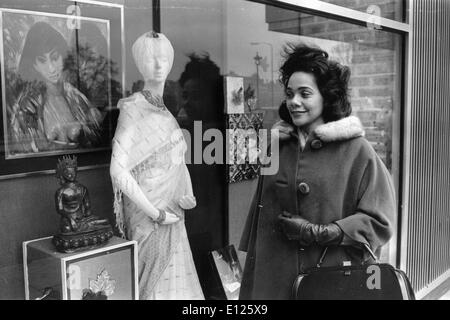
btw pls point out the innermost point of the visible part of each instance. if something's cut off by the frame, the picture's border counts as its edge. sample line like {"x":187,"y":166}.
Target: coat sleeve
{"x":372,"y":222}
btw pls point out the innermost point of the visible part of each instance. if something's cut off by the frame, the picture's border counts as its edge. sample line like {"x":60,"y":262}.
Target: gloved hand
{"x":307,"y":233}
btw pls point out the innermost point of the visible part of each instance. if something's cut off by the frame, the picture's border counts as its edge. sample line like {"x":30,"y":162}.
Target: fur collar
{"x":343,"y":129}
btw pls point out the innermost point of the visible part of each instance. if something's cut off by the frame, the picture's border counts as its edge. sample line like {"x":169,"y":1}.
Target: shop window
{"x":255,"y":37}
{"x":194,"y":94}
{"x":246,"y":39}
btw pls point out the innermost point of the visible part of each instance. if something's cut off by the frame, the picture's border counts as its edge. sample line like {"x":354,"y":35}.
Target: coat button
{"x":303,"y":187}
{"x":316,"y":144}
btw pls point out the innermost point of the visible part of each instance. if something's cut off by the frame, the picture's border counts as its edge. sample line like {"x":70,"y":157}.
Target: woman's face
{"x":50,"y":66}
{"x":304,"y":101}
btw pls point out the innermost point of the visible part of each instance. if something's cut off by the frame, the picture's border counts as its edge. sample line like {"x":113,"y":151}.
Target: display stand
{"x":108,"y":271}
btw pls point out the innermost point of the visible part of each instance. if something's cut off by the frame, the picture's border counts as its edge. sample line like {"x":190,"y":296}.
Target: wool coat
{"x":337,"y":177}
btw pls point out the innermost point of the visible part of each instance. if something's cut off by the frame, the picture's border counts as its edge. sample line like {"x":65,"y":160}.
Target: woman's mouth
{"x":298,"y":112}
{"x":54,"y":77}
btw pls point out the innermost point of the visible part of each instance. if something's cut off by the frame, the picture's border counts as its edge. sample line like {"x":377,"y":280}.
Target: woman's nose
{"x":297,"y":100}
{"x":52,"y":66}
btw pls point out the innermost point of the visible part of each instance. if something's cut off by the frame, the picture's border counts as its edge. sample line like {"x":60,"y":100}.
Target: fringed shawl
{"x":155,"y":161}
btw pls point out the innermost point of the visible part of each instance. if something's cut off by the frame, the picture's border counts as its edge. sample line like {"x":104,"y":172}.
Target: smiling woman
{"x":304,"y":101}
{"x":332,"y":191}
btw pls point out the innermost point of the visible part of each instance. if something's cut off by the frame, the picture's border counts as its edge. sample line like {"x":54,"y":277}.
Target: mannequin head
{"x":153,"y":55}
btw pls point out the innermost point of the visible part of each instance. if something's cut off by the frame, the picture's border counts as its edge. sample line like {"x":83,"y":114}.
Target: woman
{"x":50,"y":113}
{"x":332,"y":190}
{"x":151,"y":183}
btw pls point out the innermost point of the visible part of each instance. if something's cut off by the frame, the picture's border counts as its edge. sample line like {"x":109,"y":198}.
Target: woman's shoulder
{"x":361,"y":149}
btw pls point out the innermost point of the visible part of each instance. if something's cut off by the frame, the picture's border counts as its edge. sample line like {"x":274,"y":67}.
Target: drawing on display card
{"x":234,"y":94}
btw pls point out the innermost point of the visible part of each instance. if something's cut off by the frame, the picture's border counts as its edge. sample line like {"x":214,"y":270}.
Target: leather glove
{"x":307,"y":233}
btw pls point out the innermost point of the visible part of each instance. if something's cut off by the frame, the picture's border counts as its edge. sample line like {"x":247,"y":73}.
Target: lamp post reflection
{"x":257,"y":59}
{"x":271,"y":67}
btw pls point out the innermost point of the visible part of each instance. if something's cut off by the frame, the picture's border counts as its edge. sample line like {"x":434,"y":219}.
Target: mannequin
{"x":151,"y":183}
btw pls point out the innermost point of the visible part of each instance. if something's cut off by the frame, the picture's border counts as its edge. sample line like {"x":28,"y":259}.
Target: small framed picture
{"x":234,"y":94}
{"x":229,"y":271}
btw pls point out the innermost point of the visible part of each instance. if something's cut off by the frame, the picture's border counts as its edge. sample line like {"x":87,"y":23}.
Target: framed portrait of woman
{"x":62,"y":74}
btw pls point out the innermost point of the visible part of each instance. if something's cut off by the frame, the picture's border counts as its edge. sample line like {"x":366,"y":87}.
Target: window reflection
{"x":390,"y":9}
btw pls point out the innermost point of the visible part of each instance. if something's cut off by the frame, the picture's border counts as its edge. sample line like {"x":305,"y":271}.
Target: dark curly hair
{"x":331,"y":78}
{"x":40,"y":39}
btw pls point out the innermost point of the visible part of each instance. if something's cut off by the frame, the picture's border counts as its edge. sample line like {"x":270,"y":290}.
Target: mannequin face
{"x":156,"y":65}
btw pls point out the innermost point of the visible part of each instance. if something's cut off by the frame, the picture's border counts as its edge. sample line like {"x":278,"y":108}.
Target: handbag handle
{"x":365,"y":245}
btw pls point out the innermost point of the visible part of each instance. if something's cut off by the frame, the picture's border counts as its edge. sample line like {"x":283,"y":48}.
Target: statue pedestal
{"x":108,"y":271}
{"x":80,"y":241}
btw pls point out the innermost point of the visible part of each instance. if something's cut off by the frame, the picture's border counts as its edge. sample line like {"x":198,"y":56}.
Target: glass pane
{"x":194,"y":92}
{"x":256,"y":34}
{"x":245,"y":39}
{"x":389,"y":9}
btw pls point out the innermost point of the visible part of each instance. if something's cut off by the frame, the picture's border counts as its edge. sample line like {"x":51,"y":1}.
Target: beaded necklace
{"x":157,"y":101}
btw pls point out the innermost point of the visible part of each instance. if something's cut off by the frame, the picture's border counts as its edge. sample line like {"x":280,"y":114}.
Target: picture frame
{"x":70,"y":107}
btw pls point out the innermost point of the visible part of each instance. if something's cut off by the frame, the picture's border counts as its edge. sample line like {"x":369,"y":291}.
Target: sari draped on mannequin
{"x":155,"y":159}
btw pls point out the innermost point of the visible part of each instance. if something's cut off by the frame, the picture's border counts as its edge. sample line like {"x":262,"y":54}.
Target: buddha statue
{"x":79,"y":228}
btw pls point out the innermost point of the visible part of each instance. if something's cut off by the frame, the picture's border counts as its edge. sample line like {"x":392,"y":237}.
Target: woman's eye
{"x":306,"y":94}
{"x":289,"y":94}
{"x":54,"y":56}
{"x":41,"y":59}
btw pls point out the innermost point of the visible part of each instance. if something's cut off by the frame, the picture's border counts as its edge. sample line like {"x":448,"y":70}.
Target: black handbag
{"x":378,"y":281}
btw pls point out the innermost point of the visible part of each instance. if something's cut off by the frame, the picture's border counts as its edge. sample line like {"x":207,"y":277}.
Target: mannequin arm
{"x":188,"y":200}
{"x":125,"y":181}
{"x":120,"y":174}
